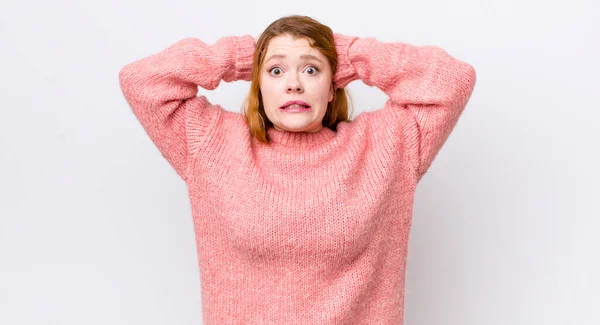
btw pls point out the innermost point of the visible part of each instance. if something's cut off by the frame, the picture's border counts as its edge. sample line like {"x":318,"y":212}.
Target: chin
{"x":299,"y":123}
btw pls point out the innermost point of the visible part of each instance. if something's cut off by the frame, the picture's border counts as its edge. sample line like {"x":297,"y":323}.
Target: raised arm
{"x":162,"y":89}
{"x":428,"y":89}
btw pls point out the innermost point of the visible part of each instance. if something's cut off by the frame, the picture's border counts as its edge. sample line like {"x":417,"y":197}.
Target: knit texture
{"x":313,"y":228}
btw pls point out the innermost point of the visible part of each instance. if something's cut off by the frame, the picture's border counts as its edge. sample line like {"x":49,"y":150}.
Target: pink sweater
{"x":312,"y":229}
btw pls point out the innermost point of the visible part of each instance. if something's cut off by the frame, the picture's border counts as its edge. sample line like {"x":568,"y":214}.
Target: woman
{"x":301,"y":215}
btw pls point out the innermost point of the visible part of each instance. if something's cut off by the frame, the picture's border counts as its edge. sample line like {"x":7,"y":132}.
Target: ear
{"x":331,"y":92}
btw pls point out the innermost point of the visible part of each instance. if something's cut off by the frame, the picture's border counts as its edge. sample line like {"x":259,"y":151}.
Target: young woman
{"x":302,"y":216}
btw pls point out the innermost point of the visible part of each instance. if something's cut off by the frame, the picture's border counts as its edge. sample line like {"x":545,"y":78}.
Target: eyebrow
{"x":303,"y":56}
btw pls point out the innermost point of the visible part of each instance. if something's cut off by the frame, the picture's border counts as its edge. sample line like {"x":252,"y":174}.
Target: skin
{"x":295,"y":78}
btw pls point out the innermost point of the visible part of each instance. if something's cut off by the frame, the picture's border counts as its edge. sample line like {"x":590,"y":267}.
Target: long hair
{"x":320,"y":37}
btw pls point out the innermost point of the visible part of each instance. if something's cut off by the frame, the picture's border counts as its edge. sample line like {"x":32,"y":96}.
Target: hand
{"x":345,"y":72}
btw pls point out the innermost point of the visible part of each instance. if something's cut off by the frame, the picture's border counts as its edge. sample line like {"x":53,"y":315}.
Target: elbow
{"x":125,"y":76}
{"x":130,"y":79}
{"x":469,"y":80}
{"x":470,"y":77}
{"x":464,"y":82}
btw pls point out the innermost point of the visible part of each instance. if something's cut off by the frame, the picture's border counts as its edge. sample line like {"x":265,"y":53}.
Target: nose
{"x":294,"y":84}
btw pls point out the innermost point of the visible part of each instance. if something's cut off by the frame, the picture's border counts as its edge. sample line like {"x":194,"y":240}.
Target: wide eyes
{"x":276,"y":71}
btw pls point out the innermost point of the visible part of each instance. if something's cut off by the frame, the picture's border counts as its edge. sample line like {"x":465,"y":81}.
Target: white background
{"x":95,"y":227}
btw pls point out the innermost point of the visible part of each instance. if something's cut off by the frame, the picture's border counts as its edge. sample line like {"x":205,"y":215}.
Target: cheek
{"x":319,"y":91}
{"x":267,"y":91}
{"x":270,"y":96}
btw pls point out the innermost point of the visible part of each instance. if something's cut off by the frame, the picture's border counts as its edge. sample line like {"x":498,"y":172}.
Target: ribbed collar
{"x":300,"y":140}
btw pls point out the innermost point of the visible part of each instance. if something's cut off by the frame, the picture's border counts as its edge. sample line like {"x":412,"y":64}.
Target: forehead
{"x":288,"y":45}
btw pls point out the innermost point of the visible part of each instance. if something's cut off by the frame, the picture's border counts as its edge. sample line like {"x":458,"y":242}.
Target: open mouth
{"x":295,"y":108}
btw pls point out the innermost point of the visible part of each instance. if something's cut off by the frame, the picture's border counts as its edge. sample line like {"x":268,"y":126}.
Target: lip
{"x":291,"y":102}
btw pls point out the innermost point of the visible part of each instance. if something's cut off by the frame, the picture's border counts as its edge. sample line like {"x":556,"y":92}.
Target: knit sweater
{"x":312,"y":228}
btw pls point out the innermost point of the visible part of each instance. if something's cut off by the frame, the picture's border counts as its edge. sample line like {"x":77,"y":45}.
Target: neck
{"x":300,"y":140}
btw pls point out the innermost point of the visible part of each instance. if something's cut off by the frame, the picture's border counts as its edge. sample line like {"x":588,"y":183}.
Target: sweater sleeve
{"x":428,"y":89}
{"x":162,"y":89}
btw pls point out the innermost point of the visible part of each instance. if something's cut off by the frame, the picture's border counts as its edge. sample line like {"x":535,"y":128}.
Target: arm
{"x":428,"y":89}
{"x":162,"y":89}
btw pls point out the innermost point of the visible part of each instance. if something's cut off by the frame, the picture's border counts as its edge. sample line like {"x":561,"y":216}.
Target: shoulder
{"x":384,"y":128}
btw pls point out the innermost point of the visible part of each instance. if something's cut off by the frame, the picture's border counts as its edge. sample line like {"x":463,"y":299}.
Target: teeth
{"x":295,"y":106}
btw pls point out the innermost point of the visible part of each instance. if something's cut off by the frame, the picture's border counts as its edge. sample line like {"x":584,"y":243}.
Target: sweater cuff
{"x":244,"y":54}
{"x":346,"y":72}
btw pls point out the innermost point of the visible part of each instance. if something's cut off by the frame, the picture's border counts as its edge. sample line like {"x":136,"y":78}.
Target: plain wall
{"x":95,"y":227}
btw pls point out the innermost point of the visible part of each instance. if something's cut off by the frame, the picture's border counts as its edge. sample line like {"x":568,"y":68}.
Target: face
{"x":294,"y":71}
